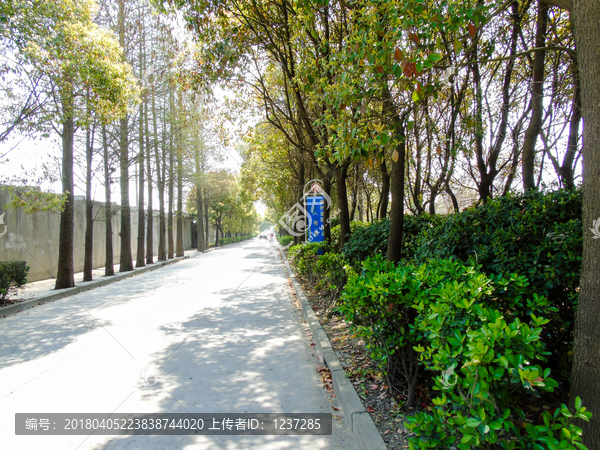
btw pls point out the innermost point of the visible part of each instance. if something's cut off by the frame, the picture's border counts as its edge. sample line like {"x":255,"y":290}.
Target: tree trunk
{"x":206,"y":218}
{"x":537,"y":98}
{"x":65,"y":277}
{"x":140,"y":259}
{"x":109,"y":268}
{"x":394,"y":248}
{"x":199,"y":206}
{"x":179,"y":247}
{"x":341,"y":174}
{"x":150,"y":232}
{"x":585,"y":379}
{"x":88,"y":261}
{"x":385,"y":190}
{"x":171,"y":251}
{"x":160,"y":178}
{"x":200,"y":219}
{"x":126,"y":261}
{"x":567,"y":176}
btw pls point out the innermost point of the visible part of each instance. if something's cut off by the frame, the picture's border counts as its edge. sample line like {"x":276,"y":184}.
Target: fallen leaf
{"x":370,"y":409}
{"x":374,"y":386}
{"x":335,"y":409}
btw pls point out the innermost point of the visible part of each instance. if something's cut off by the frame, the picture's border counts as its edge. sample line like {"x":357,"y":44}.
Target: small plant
{"x":285,"y":240}
{"x":13,"y":276}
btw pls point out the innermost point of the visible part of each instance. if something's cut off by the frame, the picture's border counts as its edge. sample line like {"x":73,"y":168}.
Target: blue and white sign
{"x":315,"y":205}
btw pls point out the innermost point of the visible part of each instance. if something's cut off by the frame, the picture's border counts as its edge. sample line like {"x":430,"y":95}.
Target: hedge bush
{"x":231,"y":240}
{"x":535,"y":235}
{"x":13,"y":276}
{"x":371,"y":240}
{"x":285,"y":240}
{"x":445,"y":315}
{"x":326,"y":272}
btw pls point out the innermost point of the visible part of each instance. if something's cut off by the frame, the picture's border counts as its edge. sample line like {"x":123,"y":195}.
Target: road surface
{"x":217,"y":333}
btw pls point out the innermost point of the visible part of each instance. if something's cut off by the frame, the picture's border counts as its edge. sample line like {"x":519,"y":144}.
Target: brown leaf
{"x":379,"y":69}
{"x":391,"y":305}
{"x":335,"y":409}
{"x":374,"y":386}
{"x":472,"y":30}
{"x":398,"y":55}
{"x":395,"y":156}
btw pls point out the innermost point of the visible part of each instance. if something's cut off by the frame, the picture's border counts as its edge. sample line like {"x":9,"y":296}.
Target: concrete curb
{"x":86,"y":286}
{"x":364,"y":430}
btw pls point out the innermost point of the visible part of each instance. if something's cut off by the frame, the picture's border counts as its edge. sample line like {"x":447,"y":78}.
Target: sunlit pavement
{"x":219,"y":330}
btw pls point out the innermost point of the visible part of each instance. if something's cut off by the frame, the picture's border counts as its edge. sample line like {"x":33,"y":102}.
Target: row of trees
{"x":461,"y":101}
{"x":439,"y":105}
{"x":107,"y":78}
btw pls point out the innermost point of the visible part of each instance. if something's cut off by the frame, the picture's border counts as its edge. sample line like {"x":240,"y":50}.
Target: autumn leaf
{"x":472,"y":30}
{"x":391,"y":305}
{"x":398,"y":55}
{"x":395,"y":156}
{"x":379,"y":69}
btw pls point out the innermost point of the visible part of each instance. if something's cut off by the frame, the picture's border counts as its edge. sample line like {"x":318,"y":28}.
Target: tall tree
{"x":126,"y":260}
{"x":88,"y":262}
{"x":585,"y":377}
{"x":109,"y":268}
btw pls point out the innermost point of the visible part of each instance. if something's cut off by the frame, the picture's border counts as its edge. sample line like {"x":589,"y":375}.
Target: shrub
{"x":367,"y":241}
{"x":445,"y":315}
{"x":13,"y":276}
{"x":335,"y":232}
{"x":535,"y":235}
{"x":231,"y":240}
{"x":371,"y":240}
{"x":285,"y":240}
{"x":326,"y":272}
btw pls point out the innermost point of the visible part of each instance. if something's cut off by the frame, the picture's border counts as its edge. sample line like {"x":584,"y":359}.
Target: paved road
{"x":220,"y":330}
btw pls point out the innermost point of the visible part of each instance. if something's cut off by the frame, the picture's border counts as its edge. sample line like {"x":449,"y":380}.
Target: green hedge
{"x":538,"y":236}
{"x":13,"y":275}
{"x":326,"y":272}
{"x":231,"y":240}
{"x":285,"y":240}
{"x":443,"y":316}
{"x":371,"y":239}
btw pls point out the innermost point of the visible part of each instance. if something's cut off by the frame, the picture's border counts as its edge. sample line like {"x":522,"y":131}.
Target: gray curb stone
{"x":86,"y":286}
{"x":365,"y":432}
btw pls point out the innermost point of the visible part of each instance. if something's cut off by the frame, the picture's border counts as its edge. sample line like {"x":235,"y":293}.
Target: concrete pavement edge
{"x":363,"y":428}
{"x":86,"y":286}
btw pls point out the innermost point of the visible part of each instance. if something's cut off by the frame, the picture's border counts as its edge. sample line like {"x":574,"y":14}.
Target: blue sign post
{"x":314,"y":208}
